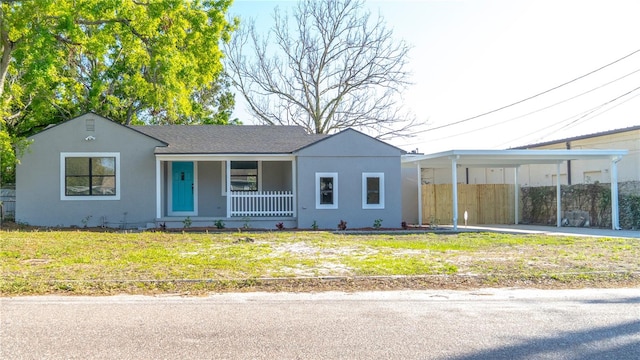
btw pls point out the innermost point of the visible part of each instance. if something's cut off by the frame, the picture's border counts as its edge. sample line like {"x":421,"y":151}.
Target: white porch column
{"x":158,"y":189}
{"x":419,"y":193}
{"x":615,"y":211}
{"x":516,"y":186}
{"x":558,"y":195}
{"x":228,"y":181}
{"x":294,"y":187}
{"x":454,"y":187}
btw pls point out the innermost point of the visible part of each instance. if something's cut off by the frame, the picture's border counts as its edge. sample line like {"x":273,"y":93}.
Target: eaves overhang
{"x":506,"y":158}
{"x":223,"y":157}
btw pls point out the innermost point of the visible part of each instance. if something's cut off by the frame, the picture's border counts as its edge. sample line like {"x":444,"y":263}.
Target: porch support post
{"x":516,"y":191}
{"x":294,"y":187}
{"x":454,"y":187}
{"x":558,"y":195}
{"x":419,"y":193}
{"x":158,"y":189}
{"x":615,"y":211}
{"x":228,"y":180}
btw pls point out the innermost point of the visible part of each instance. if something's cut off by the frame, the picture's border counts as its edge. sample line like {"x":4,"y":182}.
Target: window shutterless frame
{"x":246,"y":175}
{"x":326,"y":190}
{"x":91,"y":176}
{"x":373,"y":190}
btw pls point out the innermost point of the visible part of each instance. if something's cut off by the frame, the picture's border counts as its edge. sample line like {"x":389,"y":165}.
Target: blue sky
{"x":473,"y":56}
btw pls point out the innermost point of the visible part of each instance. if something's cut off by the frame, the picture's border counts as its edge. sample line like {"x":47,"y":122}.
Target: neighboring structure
{"x":587,"y":171}
{"x":571,"y":172}
{"x":91,"y":171}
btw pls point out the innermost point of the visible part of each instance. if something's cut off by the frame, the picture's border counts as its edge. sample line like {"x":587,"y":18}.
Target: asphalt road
{"x":462,"y":325}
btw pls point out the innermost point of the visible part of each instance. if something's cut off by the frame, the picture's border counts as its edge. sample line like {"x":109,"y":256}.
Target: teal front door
{"x":182,"y":186}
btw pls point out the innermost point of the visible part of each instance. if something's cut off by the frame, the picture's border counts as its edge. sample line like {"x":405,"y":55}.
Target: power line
{"x":538,"y":110}
{"x":528,"y":98}
{"x":580,"y":117}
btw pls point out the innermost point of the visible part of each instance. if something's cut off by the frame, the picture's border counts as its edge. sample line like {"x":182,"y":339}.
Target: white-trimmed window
{"x":244,"y":176}
{"x":90,"y":176}
{"x":373,"y":190}
{"x":326,"y":190}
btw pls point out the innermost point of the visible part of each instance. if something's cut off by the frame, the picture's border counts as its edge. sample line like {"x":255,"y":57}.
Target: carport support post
{"x":615,"y":211}
{"x":454,"y":182}
{"x":419,"y":193}
{"x":516,"y":193}
{"x":558,"y":195}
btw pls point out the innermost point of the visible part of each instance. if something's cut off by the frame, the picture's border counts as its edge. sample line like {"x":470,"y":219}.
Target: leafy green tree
{"x":152,"y":61}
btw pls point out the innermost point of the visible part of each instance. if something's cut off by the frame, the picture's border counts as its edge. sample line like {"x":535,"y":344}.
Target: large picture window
{"x":90,"y":176}
{"x":373,"y":190}
{"x":326,"y":190}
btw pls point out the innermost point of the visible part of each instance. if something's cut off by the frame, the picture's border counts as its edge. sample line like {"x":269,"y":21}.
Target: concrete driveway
{"x":552,"y":230}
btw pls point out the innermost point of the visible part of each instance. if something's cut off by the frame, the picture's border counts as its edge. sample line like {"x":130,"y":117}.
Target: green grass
{"x":84,"y":262}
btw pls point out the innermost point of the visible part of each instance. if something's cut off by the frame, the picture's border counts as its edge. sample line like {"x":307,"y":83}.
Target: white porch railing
{"x":263,"y":203}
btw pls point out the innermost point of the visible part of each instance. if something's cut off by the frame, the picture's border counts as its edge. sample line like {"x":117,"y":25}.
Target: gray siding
{"x":276,"y":176}
{"x":349,"y":154}
{"x":410,"y":195}
{"x":211,"y":203}
{"x":38,"y":176}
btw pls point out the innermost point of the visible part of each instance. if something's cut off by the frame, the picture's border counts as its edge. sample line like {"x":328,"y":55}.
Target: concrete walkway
{"x":552,"y":230}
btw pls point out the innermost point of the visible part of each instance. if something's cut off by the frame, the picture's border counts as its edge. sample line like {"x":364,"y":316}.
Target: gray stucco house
{"x":95,"y":172}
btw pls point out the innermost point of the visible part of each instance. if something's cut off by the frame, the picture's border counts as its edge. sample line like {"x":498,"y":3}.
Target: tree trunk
{"x":7,"y":49}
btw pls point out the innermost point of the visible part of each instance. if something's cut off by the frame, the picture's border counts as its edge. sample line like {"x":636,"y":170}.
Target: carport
{"x":513,"y":159}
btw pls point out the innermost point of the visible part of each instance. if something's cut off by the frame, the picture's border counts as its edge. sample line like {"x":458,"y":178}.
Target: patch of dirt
{"x":450,"y":282}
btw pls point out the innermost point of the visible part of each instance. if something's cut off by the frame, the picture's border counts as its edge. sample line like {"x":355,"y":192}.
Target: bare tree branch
{"x":332,"y":68}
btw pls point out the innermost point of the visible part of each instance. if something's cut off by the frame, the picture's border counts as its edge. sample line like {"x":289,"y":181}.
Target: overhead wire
{"x":528,"y":98}
{"x":541,"y":109}
{"x":581,"y":117}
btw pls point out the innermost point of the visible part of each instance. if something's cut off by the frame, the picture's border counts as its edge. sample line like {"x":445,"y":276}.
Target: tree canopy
{"x":335,"y":67}
{"x":155,"y":61}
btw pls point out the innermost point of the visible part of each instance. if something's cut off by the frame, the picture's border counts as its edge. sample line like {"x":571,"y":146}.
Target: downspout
{"x":568,"y":165}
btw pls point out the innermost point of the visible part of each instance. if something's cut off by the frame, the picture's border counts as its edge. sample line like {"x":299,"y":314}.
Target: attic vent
{"x":91,"y":125}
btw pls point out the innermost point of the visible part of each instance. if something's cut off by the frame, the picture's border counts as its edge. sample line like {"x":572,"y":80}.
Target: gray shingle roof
{"x":230,"y":139}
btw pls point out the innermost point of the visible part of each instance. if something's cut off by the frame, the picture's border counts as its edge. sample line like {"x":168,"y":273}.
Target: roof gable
{"x":75,"y":122}
{"x":350,"y":142}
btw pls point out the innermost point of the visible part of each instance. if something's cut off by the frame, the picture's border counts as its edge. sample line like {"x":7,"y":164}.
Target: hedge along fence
{"x":539,"y":203}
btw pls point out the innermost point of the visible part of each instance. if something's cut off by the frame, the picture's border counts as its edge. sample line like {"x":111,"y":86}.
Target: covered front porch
{"x":233,"y":191}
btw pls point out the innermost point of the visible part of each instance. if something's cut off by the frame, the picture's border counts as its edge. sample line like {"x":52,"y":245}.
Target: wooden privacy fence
{"x":484,"y":203}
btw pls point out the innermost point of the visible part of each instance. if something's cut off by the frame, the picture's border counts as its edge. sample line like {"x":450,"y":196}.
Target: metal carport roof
{"x":506,"y":158}
{"x":513,"y":159}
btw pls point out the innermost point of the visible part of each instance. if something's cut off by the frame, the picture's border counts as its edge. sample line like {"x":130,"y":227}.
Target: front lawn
{"x":84,"y":262}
